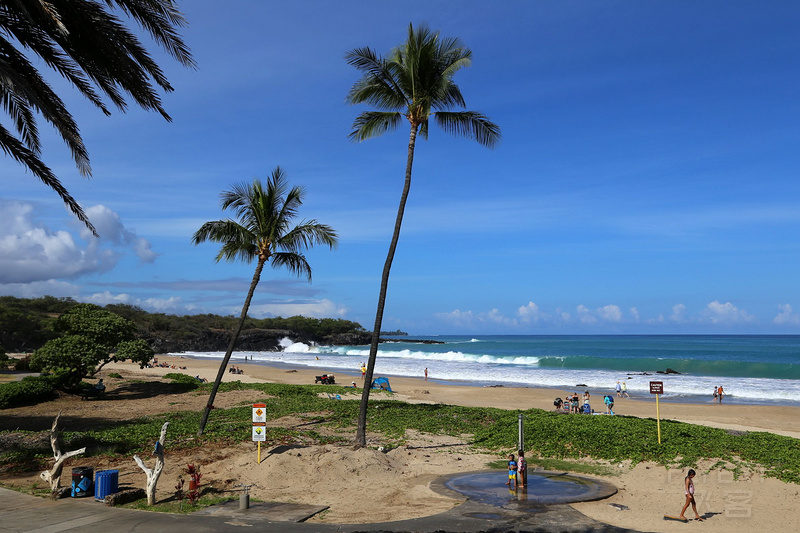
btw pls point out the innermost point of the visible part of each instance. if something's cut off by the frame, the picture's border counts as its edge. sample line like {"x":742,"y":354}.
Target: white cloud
{"x":727,"y":313}
{"x":457,"y":318}
{"x":678,"y":313}
{"x":31,"y":252}
{"x":110,"y":228}
{"x":529,"y":313}
{"x":585,"y":315}
{"x":172,"y":305}
{"x":786,"y":315}
{"x":51,"y":287}
{"x":635,"y":314}
{"x":310,"y":308}
{"x":610,"y":313}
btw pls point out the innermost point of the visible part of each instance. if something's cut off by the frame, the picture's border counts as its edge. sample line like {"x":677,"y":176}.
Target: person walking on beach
{"x":618,"y":388}
{"x":689,"y":490}
{"x":512,"y":471}
{"x":609,"y":401}
{"x":426,"y":373}
{"x":625,"y":390}
{"x":363,"y":371}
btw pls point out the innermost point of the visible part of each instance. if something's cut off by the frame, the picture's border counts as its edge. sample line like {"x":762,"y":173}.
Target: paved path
{"x":21,"y":513}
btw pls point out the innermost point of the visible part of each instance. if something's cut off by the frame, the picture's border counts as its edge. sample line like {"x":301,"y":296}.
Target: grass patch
{"x":548,"y":436}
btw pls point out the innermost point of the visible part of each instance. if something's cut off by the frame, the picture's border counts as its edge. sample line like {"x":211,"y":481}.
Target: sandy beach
{"x":647,"y":491}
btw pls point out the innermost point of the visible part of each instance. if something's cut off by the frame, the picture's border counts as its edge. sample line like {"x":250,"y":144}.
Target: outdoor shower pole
{"x":521,"y":433}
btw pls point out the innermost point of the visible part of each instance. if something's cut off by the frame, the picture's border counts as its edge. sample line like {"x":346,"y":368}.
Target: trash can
{"x":82,"y":481}
{"x":106,"y":482}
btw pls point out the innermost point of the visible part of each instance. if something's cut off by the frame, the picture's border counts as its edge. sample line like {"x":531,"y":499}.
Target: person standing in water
{"x":688,"y":483}
{"x":512,"y":472}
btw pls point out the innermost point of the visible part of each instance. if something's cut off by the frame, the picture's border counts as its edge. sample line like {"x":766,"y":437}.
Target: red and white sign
{"x":259,"y":413}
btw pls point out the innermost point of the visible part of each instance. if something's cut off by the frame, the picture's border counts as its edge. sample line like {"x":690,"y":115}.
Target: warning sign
{"x":259,"y":413}
{"x":259,"y":433}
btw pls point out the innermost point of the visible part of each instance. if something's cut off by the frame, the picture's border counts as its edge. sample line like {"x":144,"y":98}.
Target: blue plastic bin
{"x":106,"y":482}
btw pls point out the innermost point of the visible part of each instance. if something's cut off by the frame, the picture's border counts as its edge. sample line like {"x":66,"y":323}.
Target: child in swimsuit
{"x":512,"y":471}
{"x":689,"y":489}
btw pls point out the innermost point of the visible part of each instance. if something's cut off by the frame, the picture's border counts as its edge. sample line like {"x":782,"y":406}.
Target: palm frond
{"x":15,"y":149}
{"x":470,"y":124}
{"x":293,"y":262}
{"x":373,"y":124}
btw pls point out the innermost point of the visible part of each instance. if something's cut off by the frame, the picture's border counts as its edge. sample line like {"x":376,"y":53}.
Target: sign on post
{"x":657,"y":388}
{"x":259,"y":425}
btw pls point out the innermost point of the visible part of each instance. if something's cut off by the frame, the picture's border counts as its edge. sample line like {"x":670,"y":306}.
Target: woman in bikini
{"x":689,"y":488}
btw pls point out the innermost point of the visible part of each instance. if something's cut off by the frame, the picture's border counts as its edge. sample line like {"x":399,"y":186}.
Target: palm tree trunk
{"x":224,"y":364}
{"x":361,"y":431}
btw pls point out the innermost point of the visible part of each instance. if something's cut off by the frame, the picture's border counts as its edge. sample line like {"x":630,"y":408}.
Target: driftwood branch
{"x":155,"y":473}
{"x":53,"y":476}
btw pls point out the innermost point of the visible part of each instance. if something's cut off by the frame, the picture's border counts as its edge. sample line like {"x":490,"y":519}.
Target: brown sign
{"x":656,"y":387}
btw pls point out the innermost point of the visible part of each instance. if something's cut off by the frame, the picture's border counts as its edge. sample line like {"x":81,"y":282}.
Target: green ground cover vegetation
{"x":548,"y":435}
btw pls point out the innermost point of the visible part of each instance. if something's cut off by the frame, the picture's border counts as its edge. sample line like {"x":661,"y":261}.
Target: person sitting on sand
{"x":689,"y":489}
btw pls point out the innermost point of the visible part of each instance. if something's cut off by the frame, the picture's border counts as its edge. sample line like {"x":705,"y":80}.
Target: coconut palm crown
{"x":85,"y":42}
{"x":263,"y":232}
{"x":414,"y":82}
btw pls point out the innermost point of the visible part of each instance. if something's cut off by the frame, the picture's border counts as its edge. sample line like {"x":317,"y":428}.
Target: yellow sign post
{"x":259,"y":425}
{"x":657,"y":388}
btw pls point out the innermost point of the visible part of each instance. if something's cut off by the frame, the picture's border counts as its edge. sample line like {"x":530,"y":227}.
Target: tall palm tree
{"x":414,"y":82}
{"x":85,"y":42}
{"x":263,"y":233}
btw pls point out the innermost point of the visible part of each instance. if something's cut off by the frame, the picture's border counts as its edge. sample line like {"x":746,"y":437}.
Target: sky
{"x":646,"y":182}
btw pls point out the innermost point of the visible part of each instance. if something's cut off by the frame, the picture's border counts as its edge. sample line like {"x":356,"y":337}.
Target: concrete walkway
{"x":29,"y":514}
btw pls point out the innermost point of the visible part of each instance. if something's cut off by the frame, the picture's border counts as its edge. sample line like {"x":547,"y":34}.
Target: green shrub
{"x":185,"y":381}
{"x":116,"y":375}
{"x":32,"y":389}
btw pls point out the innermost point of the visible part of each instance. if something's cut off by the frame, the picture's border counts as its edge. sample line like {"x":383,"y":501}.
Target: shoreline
{"x":781,"y":420}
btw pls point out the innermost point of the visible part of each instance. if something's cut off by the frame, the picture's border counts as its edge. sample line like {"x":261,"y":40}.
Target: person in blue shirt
{"x":512,"y":471}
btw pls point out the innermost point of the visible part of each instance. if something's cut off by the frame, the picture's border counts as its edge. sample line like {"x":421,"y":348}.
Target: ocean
{"x":753,"y":369}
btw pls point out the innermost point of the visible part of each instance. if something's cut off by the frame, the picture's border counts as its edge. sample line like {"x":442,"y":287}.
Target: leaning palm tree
{"x":263,"y":233}
{"x":416,"y":83}
{"x":86,"y":42}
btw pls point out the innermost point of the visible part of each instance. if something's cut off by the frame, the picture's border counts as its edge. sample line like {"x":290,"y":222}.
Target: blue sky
{"x":646,"y":181}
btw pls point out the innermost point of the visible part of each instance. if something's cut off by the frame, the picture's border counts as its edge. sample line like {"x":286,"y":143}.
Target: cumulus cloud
{"x":610,"y":313}
{"x":309,"y":308}
{"x":727,"y":313}
{"x":110,"y":228}
{"x":31,"y":252}
{"x":457,"y":318}
{"x":172,"y":305}
{"x":585,"y":315}
{"x":529,"y":313}
{"x":786,"y":315}
{"x":678,"y":313}
{"x":51,"y":287}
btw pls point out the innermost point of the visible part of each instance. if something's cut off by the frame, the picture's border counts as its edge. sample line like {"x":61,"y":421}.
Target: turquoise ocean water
{"x":754,"y":369}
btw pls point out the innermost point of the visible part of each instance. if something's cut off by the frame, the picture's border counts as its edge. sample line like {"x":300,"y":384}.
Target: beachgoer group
{"x":718,"y":394}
